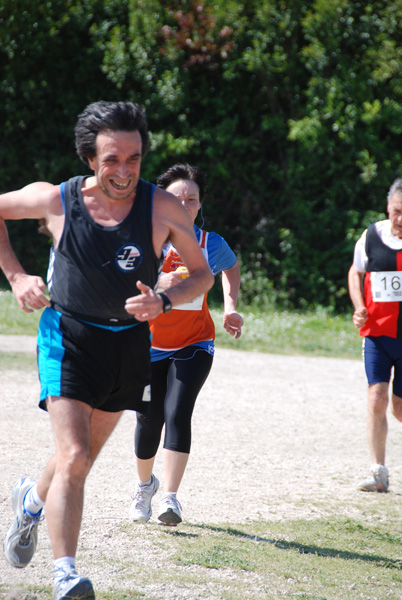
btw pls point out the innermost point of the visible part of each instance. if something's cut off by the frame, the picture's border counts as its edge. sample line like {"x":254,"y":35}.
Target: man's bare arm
{"x":182,"y":236}
{"x":28,"y":289}
{"x":29,"y":202}
{"x":355,"y":281}
{"x":171,"y":222}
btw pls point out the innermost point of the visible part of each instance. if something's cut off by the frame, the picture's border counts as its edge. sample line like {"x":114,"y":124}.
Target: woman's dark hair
{"x":183,"y":171}
{"x":115,"y":116}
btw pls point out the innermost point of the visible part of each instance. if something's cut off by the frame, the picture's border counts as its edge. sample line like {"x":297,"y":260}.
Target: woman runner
{"x":181,"y":354}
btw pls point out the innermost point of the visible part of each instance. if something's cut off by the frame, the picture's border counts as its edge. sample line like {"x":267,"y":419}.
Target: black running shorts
{"x":103,"y":367}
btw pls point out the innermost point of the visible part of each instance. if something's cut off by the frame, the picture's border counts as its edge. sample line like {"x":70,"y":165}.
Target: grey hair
{"x":396,"y":188}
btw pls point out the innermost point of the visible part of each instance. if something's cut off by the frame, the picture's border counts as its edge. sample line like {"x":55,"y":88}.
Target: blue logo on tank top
{"x":128,"y":258}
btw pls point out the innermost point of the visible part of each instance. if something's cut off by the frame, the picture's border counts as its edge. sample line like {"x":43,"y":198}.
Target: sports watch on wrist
{"x":167,"y":305}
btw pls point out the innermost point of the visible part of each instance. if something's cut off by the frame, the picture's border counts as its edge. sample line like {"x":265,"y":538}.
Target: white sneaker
{"x":378,"y":480}
{"x":22,"y":537}
{"x":70,"y":586}
{"x":141,"y":509}
{"x":170,"y":510}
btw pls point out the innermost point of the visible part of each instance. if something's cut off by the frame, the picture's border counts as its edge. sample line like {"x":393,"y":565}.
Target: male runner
{"x":108,"y":231}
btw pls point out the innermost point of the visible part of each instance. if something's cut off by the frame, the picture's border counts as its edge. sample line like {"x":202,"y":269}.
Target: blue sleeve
{"x":220,"y":256}
{"x":62,"y":192}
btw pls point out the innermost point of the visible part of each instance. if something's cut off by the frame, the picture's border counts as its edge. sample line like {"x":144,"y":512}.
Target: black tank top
{"x":95,"y":268}
{"x":380,"y":257}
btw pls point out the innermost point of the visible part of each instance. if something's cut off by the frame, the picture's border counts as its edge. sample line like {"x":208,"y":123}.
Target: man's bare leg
{"x":80,"y":432}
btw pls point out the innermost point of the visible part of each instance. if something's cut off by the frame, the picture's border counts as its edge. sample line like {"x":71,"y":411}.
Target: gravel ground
{"x":274,"y":438}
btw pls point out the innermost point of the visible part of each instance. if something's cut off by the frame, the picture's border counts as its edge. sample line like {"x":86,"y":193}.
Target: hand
{"x":233,"y":323}
{"x":168,"y":280}
{"x":29,"y":292}
{"x":360,"y":317}
{"x":145,"y":306}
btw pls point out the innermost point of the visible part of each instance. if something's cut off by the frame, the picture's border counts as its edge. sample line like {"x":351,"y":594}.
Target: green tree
{"x":49,"y":71}
{"x":293,"y":109}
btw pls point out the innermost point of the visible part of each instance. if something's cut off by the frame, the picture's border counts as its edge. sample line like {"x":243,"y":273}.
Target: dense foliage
{"x":293,"y":108}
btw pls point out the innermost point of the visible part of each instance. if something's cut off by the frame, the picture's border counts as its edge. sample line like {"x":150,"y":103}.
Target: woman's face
{"x":189,"y":195}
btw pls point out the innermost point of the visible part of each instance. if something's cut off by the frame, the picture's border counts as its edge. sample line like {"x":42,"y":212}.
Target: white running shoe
{"x":70,"y":586}
{"x":170,"y":510}
{"x":378,"y":480}
{"x":22,"y":537}
{"x":141,"y":509}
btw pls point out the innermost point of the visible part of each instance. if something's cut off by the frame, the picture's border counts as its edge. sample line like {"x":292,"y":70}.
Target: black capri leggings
{"x":175,"y":385}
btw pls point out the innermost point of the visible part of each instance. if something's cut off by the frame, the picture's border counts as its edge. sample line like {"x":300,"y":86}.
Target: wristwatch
{"x":167,"y":305}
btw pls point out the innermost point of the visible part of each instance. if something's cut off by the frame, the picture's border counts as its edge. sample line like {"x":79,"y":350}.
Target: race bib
{"x":386,"y":286}
{"x":195,"y":304}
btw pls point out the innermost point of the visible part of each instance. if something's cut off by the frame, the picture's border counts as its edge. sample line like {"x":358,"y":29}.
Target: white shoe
{"x":141,"y":509}
{"x":70,"y":586}
{"x":378,"y":480}
{"x":170,"y":510}
{"x":22,"y":537}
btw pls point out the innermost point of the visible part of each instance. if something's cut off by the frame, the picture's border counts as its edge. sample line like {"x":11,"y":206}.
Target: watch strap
{"x":167,"y":305}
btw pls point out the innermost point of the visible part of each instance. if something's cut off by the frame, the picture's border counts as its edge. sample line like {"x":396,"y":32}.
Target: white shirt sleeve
{"x":360,"y":256}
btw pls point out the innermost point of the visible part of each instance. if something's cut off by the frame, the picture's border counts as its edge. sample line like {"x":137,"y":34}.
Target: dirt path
{"x":274,"y":437}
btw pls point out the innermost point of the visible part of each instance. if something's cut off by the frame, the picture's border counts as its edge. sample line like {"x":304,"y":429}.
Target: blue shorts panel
{"x":50,"y":353}
{"x":104,"y":368}
{"x":380,"y":355}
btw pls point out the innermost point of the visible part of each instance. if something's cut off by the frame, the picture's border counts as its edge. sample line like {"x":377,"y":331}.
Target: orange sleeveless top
{"x":185,"y":324}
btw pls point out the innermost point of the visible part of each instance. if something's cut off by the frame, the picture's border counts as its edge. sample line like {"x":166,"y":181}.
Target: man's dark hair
{"x":113,"y":116}
{"x":183,"y":171}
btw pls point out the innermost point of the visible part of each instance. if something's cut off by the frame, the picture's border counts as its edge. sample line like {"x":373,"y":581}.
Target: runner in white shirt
{"x":375,"y":288}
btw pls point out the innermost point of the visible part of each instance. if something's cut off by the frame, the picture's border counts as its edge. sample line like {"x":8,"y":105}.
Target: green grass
{"x":324,"y":559}
{"x":318,"y":333}
{"x":300,"y":559}
{"x":17,"y":361}
{"x":13,"y":320}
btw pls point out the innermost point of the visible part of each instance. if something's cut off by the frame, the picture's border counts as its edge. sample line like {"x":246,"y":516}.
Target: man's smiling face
{"x":117,"y":163}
